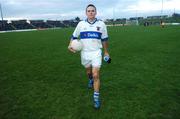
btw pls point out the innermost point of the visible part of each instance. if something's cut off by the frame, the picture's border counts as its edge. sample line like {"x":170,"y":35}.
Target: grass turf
{"x":41,"y":79}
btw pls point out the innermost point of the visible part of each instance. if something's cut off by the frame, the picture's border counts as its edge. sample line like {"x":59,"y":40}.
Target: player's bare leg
{"x":95,"y":72}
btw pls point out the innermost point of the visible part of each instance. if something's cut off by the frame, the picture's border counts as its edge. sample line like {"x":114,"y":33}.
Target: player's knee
{"x":88,"y":72}
{"x":95,"y":76}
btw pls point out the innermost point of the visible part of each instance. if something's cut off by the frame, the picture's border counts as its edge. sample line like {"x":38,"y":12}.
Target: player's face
{"x":91,"y":12}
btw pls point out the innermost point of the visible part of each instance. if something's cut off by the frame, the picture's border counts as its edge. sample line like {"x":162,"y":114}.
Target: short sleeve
{"x":76,"y":32}
{"x":104,"y":36}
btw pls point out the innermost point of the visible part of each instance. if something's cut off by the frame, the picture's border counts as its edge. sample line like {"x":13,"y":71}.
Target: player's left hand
{"x":106,"y":54}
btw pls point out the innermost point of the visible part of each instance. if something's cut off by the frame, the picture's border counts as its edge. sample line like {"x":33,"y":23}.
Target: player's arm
{"x":104,"y":40}
{"x":105,"y":47}
{"x":74,"y":37}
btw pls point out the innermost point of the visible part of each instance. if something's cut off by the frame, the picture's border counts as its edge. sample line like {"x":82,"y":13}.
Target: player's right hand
{"x":71,"y":49}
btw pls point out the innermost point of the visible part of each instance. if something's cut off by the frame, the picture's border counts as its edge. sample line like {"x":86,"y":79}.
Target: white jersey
{"x":91,"y":34}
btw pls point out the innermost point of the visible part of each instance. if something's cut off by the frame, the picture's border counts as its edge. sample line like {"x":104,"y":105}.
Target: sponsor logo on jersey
{"x":87,"y":34}
{"x":92,"y":35}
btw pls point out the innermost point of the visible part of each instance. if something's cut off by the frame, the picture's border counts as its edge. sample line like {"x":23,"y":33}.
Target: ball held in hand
{"x":76,"y":45}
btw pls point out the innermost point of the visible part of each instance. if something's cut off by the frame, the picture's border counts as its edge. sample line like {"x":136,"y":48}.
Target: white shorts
{"x":92,"y":58}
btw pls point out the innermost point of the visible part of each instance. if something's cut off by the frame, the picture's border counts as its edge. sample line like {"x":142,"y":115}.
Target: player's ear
{"x":95,"y":12}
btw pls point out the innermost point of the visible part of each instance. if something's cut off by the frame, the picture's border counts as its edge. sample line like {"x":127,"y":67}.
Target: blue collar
{"x":91,"y":22}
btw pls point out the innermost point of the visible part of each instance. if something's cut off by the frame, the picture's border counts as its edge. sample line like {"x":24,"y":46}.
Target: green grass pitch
{"x":41,"y":79}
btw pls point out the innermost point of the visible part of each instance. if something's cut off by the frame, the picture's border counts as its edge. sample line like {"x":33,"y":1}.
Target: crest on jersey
{"x":98,"y":28}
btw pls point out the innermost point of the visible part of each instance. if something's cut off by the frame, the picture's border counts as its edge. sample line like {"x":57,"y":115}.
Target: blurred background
{"x":39,"y":14}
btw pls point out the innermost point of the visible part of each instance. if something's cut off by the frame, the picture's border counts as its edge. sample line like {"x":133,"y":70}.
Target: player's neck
{"x":91,"y":20}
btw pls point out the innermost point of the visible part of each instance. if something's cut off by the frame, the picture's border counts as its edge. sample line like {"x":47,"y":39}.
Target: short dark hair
{"x":90,"y":5}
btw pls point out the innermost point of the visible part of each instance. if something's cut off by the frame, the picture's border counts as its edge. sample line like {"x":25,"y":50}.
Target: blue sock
{"x":96,"y":96}
{"x":91,"y":81}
